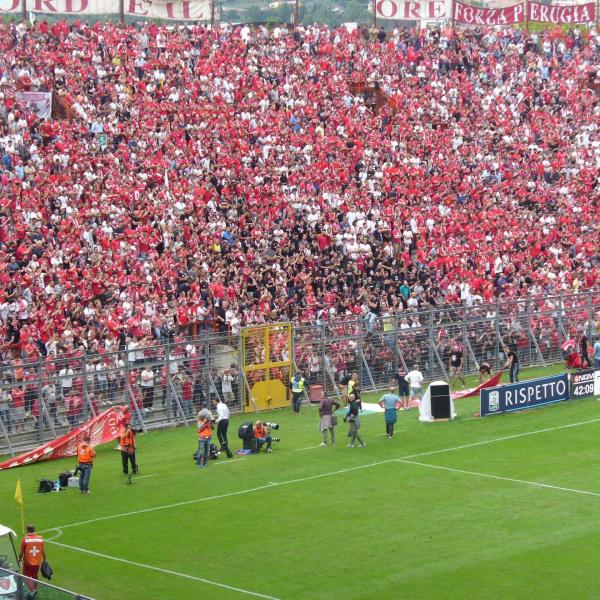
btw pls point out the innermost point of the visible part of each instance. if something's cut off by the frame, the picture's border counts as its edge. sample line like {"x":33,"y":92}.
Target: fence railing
{"x":166,"y":384}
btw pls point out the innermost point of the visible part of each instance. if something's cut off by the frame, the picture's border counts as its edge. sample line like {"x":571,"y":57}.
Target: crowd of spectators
{"x":230,"y":178}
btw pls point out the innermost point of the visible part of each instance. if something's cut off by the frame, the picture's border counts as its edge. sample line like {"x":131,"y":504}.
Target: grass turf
{"x":328,"y":523}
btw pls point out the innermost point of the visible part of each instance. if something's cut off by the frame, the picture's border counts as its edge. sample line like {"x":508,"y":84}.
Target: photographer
{"x":127,"y":447}
{"x":262,"y":436}
{"x":205,"y":422}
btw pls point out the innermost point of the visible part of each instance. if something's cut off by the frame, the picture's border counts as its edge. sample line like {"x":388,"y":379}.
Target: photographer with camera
{"x":262,"y":436}
{"x":205,"y":425}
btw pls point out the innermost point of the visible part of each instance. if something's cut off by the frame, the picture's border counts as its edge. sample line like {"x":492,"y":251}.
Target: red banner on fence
{"x":101,"y":429}
{"x":560,"y":14}
{"x":471,"y":15}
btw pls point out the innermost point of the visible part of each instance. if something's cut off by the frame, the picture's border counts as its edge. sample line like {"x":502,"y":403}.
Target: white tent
{"x":425,"y":404}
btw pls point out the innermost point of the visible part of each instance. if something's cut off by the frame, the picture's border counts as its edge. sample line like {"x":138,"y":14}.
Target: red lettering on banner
{"x":184,"y":13}
{"x":39,"y":6}
{"x":11,"y":8}
{"x":412,"y":10}
{"x":137,"y":4}
{"x":437,"y":9}
{"x":71,"y":6}
{"x":388,"y":9}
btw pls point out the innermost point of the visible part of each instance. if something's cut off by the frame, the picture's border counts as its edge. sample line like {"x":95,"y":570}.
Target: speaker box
{"x":440,"y":401}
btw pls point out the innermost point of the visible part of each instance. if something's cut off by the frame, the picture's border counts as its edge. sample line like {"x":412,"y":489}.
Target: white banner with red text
{"x":101,"y":429}
{"x":182,"y":10}
{"x":463,"y":13}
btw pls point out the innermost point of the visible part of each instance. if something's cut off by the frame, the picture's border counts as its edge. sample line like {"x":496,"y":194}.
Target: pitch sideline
{"x":321,"y":475}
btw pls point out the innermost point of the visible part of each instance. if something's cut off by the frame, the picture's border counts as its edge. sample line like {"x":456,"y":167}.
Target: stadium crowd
{"x":220,"y":179}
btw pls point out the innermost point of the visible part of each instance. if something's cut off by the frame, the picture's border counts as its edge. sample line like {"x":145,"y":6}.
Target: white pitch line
{"x":307,"y":448}
{"x":56,"y":536}
{"x":167,"y":571}
{"x":228,"y":462}
{"x":143,"y":476}
{"x":500,"y":439}
{"x":326,"y":474}
{"x":489,"y":476}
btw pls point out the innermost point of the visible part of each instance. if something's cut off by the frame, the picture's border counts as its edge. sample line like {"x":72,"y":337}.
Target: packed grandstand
{"x":229,"y":178}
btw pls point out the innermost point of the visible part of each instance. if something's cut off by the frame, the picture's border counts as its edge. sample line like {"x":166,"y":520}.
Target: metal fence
{"x":166,"y":384}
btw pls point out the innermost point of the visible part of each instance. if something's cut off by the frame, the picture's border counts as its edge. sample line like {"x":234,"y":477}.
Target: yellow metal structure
{"x":267,"y":363}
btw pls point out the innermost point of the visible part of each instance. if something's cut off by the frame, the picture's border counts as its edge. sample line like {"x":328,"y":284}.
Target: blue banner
{"x":523,"y":395}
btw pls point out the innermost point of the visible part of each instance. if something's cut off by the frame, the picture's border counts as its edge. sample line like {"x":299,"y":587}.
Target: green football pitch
{"x":500,"y":507}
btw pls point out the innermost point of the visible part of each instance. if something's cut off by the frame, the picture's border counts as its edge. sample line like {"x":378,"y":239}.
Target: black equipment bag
{"x":63,"y":479}
{"x":45,"y":485}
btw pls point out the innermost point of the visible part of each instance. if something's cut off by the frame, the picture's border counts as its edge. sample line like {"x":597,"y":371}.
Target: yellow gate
{"x":267,"y":364}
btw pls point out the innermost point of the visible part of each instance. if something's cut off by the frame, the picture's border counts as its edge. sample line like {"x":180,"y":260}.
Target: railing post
{"x":498,"y":336}
{"x":431,"y":344}
{"x":86,"y":407}
{"x":591,"y":323}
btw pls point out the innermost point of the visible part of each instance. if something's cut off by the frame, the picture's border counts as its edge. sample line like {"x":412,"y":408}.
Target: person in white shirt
{"x":415,"y":382}
{"x":66,"y":380}
{"x":223,"y":425}
{"x":227,"y":387}
{"x":147,"y":385}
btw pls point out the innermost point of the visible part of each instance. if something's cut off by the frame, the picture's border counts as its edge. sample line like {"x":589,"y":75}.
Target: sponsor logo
{"x":494,"y":401}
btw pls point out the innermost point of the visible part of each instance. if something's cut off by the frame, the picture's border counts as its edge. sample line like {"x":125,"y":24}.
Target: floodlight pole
{"x":122,"y":11}
{"x":297,"y":13}
{"x":212,"y":15}
{"x":375,"y":13}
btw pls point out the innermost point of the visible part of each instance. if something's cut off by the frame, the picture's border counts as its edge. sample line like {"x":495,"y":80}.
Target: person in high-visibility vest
{"x":85,"y":462}
{"x":297,"y":385}
{"x":205,"y":421}
{"x":127,"y":447}
{"x":33,"y":553}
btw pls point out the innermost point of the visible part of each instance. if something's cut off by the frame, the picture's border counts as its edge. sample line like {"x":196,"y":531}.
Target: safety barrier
{"x":187,"y":374}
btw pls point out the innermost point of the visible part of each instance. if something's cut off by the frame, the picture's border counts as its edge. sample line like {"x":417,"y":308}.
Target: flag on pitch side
{"x":19,"y":493}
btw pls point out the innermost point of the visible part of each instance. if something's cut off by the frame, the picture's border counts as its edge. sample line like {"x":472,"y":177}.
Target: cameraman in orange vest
{"x":127,"y":447}
{"x":33,"y":553}
{"x":85,"y":462}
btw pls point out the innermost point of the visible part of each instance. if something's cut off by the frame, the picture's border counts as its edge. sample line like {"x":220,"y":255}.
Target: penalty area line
{"x":165,"y":571}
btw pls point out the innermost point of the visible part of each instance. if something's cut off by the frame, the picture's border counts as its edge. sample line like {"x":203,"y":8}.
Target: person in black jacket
{"x":354,"y":422}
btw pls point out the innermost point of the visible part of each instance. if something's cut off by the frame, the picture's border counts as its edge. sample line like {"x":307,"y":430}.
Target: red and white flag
{"x":101,"y":429}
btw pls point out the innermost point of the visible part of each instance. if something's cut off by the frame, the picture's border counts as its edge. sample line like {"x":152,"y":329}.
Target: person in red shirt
{"x":33,"y":553}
